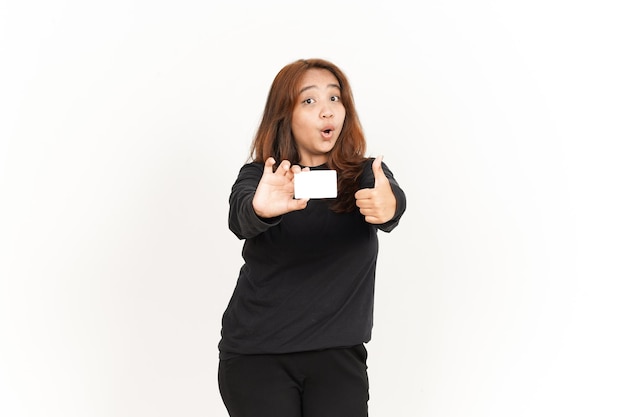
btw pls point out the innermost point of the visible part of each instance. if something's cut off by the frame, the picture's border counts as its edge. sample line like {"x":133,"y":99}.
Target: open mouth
{"x":327,"y":133}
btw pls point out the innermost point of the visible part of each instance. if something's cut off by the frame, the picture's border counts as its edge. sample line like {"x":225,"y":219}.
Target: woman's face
{"x":317,"y":116}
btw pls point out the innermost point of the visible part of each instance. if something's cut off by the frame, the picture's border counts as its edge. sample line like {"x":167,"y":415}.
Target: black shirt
{"x":308,"y":278}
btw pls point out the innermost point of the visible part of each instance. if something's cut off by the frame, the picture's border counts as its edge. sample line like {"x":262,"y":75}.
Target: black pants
{"x":325,"y":383}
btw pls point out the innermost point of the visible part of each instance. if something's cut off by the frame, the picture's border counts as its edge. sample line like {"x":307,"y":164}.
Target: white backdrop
{"x":124,"y":123}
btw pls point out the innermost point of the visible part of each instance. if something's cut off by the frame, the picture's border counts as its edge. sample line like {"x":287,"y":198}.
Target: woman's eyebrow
{"x":308,"y":87}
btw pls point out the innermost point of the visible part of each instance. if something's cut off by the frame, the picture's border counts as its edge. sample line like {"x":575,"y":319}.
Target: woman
{"x":294,"y":329}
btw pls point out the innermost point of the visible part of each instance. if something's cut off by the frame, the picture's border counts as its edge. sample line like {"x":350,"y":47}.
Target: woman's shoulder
{"x":253,"y":165}
{"x":367,"y":162}
{"x":366,"y":179}
{"x":251,"y":170}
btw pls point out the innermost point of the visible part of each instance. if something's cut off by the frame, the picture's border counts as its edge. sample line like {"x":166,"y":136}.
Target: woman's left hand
{"x":377,"y":204}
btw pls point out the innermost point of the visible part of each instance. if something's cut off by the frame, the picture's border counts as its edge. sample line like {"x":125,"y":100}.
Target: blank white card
{"x":316,"y":184}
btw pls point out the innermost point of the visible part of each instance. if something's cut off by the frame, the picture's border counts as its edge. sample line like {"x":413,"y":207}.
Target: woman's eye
{"x":335,"y":98}
{"x":309,"y":101}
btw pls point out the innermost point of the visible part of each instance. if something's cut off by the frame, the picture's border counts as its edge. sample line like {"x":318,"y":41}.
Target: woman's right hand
{"x":274,"y":194}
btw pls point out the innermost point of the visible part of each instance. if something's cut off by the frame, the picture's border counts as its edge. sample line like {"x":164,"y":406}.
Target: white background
{"x":124,"y":123}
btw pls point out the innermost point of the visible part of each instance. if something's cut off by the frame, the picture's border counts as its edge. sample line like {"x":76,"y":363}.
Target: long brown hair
{"x":274,"y":137}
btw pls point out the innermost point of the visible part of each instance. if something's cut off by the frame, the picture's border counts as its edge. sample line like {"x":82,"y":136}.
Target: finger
{"x":373,"y":220}
{"x":367,"y":204}
{"x":363,"y":194}
{"x":379,"y":174}
{"x":296,"y":169}
{"x":366,"y":207}
{"x":289,"y":174}
{"x":269,"y":165}
{"x":283,"y":168}
{"x":364,"y":201}
{"x":367,"y":212}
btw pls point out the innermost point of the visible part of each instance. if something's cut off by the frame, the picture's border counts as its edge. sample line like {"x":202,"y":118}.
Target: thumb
{"x":379,"y":175}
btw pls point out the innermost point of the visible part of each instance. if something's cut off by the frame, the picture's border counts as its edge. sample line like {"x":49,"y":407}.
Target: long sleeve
{"x":242,"y":220}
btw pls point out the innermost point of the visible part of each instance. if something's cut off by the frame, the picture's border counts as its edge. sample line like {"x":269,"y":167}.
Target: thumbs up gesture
{"x":377,"y":204}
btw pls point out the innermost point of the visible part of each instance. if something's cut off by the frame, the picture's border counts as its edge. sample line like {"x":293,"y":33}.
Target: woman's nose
{"x":326,"y":113}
